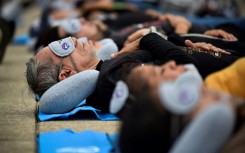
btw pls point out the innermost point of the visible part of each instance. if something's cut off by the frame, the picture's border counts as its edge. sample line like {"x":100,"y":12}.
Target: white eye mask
{"x":191,"y":67}
{"x":119,"y":97}
{"x":53,"y":22}
{"x":61,"y":5}
{"x":180,"y":96}
{"x":63,"y":47}
{"x":71,"y":26}
{"x":108,"y":47}
{"x":82,"y":39}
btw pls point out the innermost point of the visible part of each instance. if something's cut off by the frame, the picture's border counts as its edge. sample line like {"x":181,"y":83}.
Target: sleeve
{"x":130,"y":18}
{"x":162,"y":49}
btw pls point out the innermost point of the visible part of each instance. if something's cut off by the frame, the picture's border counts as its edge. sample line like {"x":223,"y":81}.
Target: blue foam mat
{"x":21,"y":39}
{"x":68,"y":141}
{"x":78,"y":113}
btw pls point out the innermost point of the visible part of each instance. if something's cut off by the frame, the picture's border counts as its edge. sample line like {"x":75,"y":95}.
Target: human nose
{"x":74,"y":40}
{"x":171,"y":65}
{"x":82,"y":20}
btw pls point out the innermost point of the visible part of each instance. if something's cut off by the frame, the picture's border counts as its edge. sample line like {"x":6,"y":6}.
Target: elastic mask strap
{"x":73,"y":63}
{"x":61,"y":64}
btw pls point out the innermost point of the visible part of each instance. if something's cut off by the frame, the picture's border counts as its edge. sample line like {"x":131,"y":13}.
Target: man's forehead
{"x":44,"y":53}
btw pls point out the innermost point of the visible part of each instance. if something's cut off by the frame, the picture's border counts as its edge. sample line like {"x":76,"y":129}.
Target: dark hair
{"x":144,"y":127}
{"x":47,"y":36}
{"x":147,"y":125}
{"x":111,"y":74}
{"x":136,"y":83}
{"x":41,"y":76}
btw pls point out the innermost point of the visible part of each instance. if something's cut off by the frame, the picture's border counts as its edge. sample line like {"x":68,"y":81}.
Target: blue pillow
{"x":67,"y":94}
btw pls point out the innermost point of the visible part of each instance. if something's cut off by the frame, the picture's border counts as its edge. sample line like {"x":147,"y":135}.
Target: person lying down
{"x":67,"y":57}
{"x":174,"y":114}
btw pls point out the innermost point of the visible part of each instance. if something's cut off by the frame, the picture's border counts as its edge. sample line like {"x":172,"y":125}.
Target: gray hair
{"x":42,"y":75}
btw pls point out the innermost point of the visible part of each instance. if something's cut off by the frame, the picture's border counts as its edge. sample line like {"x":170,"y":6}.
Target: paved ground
{"x":17,"y":120}
{"x":18,"y":125}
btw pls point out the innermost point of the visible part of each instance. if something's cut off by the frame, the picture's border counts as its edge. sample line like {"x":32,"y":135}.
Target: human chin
{"x":92,"y":52}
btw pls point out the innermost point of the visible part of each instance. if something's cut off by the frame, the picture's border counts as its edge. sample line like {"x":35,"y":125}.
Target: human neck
{"x":97,"y":46}
{"x":93,"y":64}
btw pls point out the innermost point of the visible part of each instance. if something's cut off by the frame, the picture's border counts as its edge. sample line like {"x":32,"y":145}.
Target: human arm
{"x":164,"y":50}
{"x":205,"y":46}
{"x":202,"y":45}
{"x":131,"y":44}
{"x":221,"y":33}
{"x":129,"y":47}
{"x":107,"y":5}
{"x":180,"y":24}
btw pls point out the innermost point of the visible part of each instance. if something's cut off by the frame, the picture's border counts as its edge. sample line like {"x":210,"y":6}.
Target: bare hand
{"x":129,"y":47}
{"x":135,"y":36}
{"x":153,"y":13}
{"x":180,"y":24}
{"x":221,"y":33}
{"x":206,"y":46}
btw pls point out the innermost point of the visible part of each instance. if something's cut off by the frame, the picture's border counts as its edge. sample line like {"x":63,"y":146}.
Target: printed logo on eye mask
{"x":185,"y":97}
{"x":119,"y":93}
{"x":74,"y":26}
{"x":180,"y":96}
{"x":65,"y":46}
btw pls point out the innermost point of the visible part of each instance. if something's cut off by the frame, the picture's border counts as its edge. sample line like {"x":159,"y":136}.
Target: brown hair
{"x":47,"y":36}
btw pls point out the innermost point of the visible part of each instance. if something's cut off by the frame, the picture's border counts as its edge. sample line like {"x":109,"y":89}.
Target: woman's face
{"x":89,"y":29}
{"x":170,"y":71}
{"x":158,"y":74}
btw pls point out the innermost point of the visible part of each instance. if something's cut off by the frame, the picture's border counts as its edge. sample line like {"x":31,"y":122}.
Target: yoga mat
{"x":82,"y":111}
{"x":68,"y":141}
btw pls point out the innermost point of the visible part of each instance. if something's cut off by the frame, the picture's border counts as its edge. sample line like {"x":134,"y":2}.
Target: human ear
{"x":66,"y":73}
